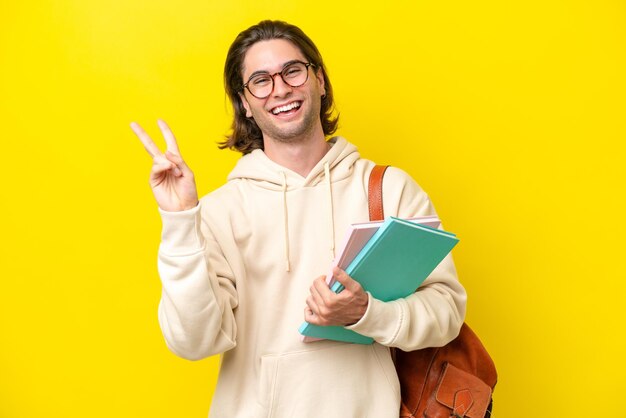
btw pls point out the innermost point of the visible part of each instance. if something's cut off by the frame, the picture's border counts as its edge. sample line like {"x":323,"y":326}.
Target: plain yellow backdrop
{"x":510,"y":114}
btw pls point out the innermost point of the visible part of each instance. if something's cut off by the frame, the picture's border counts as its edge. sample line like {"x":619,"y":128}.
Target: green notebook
{"x":391,"y":265}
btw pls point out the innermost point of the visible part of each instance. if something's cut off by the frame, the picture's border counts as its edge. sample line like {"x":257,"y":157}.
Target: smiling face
{"x":288,"y":114}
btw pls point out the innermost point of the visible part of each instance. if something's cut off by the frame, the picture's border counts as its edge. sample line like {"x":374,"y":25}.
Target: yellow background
{"x":510,"y":114}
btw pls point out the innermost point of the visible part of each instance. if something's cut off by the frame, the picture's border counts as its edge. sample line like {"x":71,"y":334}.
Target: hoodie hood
{"x":336,"y":165}
{"x":258,"y":167}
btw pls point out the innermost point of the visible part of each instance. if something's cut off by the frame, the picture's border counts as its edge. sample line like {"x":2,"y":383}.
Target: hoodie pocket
{"x":345,"y":380}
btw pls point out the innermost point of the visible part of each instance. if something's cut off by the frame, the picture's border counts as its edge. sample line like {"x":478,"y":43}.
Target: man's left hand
{"x":325,"y":307}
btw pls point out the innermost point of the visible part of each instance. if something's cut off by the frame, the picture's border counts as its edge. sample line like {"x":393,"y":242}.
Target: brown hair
{"x":246,"y":136}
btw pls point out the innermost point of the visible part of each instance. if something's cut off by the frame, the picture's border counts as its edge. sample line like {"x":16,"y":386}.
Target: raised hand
{"x":172,"y":182}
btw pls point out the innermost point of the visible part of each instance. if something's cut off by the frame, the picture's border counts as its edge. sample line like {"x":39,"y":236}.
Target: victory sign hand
{"x":172,"y":182}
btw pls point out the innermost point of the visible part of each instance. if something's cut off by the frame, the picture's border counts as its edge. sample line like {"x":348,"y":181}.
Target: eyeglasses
{"x":294,"y":74}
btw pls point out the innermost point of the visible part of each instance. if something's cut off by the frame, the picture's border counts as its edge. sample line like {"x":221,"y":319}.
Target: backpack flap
{"x":464,"y":394}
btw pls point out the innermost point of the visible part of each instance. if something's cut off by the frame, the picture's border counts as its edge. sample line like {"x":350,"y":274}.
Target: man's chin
{"x":290,"y":136}
{"x":289,"y":139}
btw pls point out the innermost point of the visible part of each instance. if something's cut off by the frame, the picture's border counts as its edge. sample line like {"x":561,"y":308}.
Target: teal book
{"x":391,"y":265}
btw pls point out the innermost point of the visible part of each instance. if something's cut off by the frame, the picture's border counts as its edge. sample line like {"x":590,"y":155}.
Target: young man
{"x":240,"y":265}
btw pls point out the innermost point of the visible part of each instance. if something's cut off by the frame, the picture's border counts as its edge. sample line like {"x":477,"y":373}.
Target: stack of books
{"x":390,"y":259}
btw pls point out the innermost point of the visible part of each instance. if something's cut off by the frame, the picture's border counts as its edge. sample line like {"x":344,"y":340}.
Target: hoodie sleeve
{"x":433,"y":315}
{"x":199,"y":295}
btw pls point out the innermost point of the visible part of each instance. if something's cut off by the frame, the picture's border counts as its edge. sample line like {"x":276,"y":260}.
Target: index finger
{"x":145,"y":139}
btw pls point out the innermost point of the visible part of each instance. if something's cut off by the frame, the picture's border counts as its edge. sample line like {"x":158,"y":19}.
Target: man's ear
{"x":319,"y":74}
{"x":246,"y":105}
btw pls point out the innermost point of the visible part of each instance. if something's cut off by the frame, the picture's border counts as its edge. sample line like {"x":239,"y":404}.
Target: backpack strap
{"x":375,"y":204}
{"x":375,"y":193}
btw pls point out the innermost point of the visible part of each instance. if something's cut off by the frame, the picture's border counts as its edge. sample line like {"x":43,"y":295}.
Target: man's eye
{"x":292,"y":71}
{"x":261,"y":80}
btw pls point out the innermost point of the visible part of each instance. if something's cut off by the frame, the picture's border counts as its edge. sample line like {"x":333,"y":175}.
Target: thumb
{"x":180,"y":163}
{"x":348,"y":282}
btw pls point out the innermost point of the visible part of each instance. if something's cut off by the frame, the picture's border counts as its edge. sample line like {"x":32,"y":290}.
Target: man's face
{"x":288,"y":114}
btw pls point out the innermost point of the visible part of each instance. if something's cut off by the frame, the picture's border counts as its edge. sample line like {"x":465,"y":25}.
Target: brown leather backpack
{"x":455,"y":380}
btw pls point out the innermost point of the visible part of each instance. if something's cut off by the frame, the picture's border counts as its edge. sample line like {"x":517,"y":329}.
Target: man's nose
{"x":280,"y":87}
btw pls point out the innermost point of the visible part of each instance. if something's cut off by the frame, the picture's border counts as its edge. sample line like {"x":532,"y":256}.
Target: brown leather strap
{"x":463,"y":401}
{"x":375,"y":193}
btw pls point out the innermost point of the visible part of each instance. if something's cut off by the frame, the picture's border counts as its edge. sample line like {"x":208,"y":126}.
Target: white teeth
{"x":285,"y":108}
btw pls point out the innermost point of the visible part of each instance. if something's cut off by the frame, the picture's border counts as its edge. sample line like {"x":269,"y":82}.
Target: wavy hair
{"x":246,"y":135}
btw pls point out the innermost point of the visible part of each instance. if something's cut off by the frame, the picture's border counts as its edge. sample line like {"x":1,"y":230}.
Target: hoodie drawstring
{"x":286,"y":220}
{"x":330,"y":207}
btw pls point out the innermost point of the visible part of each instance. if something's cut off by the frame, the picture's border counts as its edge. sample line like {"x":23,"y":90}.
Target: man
{"x":239,"y":265}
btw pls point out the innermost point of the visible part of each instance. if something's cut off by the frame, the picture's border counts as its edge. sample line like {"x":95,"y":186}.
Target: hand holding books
{"x":392,"y":264}
{"x":325,"y":307}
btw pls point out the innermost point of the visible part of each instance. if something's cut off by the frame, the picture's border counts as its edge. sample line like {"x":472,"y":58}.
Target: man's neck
{"x":298,"y":156}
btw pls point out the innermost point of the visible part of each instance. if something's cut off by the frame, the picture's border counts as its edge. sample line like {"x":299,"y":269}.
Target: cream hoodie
{"x":236,"y":271}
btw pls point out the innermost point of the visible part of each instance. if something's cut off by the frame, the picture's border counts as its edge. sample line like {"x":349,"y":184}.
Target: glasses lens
{"x":261,"y":85}
{"x":295,"y":75}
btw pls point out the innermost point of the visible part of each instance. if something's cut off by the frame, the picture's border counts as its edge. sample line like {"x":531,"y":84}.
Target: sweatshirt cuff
{"x":181,"y":233}
{"x":381,"y":320}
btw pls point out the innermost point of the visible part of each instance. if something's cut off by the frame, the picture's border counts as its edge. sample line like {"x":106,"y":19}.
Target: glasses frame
{"x":281,"y":73}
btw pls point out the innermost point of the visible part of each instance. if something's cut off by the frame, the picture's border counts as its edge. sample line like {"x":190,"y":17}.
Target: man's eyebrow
{"x":259,"y":72}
